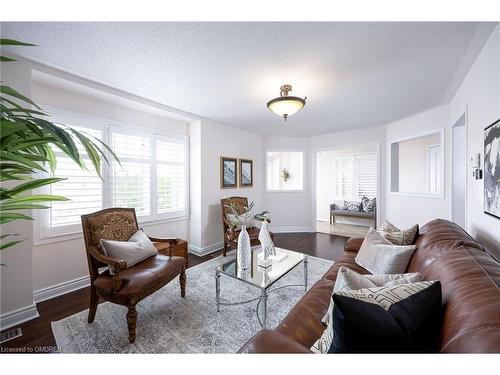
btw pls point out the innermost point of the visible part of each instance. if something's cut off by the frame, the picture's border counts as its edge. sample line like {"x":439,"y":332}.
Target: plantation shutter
{"x":366,"y":175}
{"x":170,"y":176}
{"x":344,"y":171}
{"x":131,"y":181}
{"x":82,"y":187}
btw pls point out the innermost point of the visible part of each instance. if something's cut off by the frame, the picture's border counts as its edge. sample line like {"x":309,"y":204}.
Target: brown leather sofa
{"x":470,"y":281}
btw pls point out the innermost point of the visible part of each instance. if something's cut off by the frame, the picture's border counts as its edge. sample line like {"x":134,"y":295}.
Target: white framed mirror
{"x":417,"y":165}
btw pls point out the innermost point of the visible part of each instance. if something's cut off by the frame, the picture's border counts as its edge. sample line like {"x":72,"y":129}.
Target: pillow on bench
{"x":352,"y":206}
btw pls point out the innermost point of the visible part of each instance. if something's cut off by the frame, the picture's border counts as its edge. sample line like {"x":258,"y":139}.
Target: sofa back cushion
{"x":470,"y":281}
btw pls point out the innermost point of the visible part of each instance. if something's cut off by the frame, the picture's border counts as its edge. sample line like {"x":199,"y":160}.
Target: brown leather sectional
{"x":470,"y":281}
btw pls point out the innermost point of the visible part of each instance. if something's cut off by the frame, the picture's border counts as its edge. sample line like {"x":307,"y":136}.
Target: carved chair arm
{"x":171,"y":241}
{"x":114,"y":264}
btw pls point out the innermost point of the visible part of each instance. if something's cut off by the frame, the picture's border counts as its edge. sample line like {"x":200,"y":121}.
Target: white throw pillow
{"x":379,"y":256}
{"x":383,"y":259}
{"x":133,"y":251}
{"x":348,"y":279}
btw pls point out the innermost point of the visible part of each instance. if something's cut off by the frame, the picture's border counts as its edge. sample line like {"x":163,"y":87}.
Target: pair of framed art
{"x":234,"y":172}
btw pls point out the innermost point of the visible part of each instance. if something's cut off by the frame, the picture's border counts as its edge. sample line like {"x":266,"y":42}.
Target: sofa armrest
{"x":267,"y":341}
{"x":333,"y":207}
{"x":353,"y":244}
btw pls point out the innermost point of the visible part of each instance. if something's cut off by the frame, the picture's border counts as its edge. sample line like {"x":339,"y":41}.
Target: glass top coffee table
{"x":261,"y":278}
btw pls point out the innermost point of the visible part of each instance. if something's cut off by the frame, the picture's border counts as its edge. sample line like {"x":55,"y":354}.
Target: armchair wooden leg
{"x":182,"y":281}
{"x":225,"y":249}
{"x":94,"y":299}
{"x":131,"y":323}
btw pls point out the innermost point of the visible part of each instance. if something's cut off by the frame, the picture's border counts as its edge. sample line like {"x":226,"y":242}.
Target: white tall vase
{"x":244,"y":250}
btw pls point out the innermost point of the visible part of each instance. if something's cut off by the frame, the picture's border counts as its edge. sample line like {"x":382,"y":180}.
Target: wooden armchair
{"x":231,"y":234}
{"x":127,"y":286}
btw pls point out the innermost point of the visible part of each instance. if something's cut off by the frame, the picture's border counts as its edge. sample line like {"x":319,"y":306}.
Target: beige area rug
{"x":168,"y":323}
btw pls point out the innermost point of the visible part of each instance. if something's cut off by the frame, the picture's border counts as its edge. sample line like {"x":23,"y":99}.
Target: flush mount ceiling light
{"x":285,"y":105}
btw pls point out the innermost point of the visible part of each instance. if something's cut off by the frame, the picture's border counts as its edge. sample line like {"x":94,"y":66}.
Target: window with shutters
{"x":152,"y":177}
{"x":131,"y":181}
{"x":170,"y":177}
{"x":82,"y":187}
{"x":356,"y":176}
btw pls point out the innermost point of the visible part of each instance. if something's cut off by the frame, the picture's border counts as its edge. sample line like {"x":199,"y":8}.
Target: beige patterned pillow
{"x":348,"y":279}
{"x":386,"y":296}
{"x":399,"y":236}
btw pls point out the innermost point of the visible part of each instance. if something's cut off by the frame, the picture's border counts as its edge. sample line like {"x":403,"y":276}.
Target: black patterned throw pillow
{"x":404,"y":318}
{"x":368,"y":205}
{"x":352,"y":206}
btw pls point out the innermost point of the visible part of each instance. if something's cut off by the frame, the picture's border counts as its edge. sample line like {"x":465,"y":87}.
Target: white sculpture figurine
{"x":267,"y":245}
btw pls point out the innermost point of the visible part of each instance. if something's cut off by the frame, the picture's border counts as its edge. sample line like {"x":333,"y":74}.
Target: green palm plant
{"x":27,"y":141}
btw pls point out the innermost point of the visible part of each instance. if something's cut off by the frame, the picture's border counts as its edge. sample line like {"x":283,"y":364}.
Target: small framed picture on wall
{"x":228,"y":172}
{"x":246,"y":173}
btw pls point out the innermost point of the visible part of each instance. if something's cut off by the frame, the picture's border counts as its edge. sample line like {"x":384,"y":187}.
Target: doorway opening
{"x":459,"y":172}
{"x":346,"y":190}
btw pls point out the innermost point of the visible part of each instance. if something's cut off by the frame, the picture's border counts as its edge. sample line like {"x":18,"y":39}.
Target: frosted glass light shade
{"x":286,"y":105}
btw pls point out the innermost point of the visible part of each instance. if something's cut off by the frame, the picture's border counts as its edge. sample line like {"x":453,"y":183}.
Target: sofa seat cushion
{"x":147,"y":274}
{"x":313,"y":306}
{"x":303,"y":323}
{"x":346,"y":260}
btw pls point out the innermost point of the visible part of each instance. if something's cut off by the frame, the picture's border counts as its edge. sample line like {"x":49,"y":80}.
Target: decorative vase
{"x":244,"y":250}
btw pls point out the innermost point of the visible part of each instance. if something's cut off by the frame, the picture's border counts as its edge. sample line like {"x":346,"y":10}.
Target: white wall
{"x":480,"y":94}
{"x":479,"y":98}
{"x":218,"y":140}
{"x":16,"y":280}
{"x":195,"y":189}
{"x":423,"y":209}
{"x":291,"y":211}
{"x":325,"y":184}
{"x":458,"y":173}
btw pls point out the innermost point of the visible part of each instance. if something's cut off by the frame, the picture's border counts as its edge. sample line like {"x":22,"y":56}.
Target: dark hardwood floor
{"x":37,"y":334}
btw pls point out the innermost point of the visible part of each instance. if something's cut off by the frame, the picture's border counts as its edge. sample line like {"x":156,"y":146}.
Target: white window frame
{"x":45,"y":235}
{"x":267,"y":190}
{"x":389,"y":178}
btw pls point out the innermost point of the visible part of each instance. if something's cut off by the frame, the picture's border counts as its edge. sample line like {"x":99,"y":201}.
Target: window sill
{"x":77,"y":235}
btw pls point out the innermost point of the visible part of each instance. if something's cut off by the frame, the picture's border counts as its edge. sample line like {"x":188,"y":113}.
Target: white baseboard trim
{"x":16,"y":317}
{"x":205,"y":250}
{"x":202,"y":251}
{"x":292,"y":229}
{"x":60,"y":289}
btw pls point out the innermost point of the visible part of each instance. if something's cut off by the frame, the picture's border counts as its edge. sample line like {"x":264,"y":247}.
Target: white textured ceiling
{"x":355,"y":75}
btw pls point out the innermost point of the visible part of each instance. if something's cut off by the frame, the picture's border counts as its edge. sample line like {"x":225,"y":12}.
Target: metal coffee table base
{"x":262,"y":298}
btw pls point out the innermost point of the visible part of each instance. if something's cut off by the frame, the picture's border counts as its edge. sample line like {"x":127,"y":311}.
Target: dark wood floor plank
{"x":37,"y":333}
